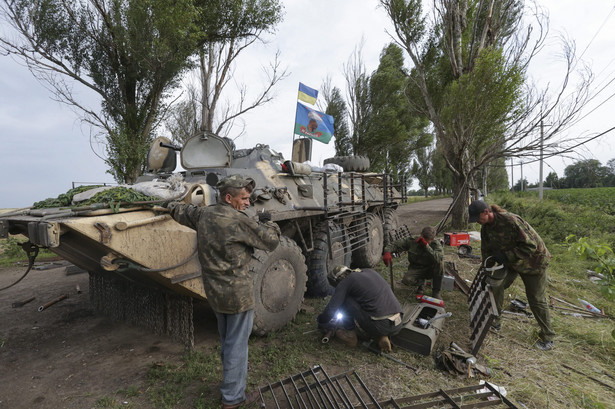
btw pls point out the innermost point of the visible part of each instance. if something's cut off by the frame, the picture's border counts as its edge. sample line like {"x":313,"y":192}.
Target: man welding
{"x":363,"y":299}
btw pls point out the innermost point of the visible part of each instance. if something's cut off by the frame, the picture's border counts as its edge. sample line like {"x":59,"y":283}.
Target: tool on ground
{"x":18,"y":304}
{"x":50,"y":303}
{"x":426,"y":323}
{"x":370,"y":347}
{"x":430,"y":300}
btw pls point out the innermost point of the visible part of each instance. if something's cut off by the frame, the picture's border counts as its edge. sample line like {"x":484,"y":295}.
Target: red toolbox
{"x":456,"y":239}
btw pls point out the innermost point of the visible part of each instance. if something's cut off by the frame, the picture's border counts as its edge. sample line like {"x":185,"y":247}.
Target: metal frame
{"x":482,"y":310}
{"x":315,"y":389}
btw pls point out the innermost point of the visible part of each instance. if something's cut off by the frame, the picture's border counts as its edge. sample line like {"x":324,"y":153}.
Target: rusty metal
{"x":18,"y":304}
{"x":50,"y":303}
{"x":451,"y":269}
{"x":482,"y":310}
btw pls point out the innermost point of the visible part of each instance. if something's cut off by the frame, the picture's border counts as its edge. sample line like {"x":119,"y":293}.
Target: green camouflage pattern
{"x":423,"y":261}
{"x":226,"y":239}
{"x":524,"y":250}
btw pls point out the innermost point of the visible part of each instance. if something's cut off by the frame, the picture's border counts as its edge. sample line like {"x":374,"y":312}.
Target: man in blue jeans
{"x":226,"y":239}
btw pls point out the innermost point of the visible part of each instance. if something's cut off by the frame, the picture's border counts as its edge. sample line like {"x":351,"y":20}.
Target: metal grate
{"x":465,"y":397}
{"x":315,"y":389}
{"x":482,"y":310}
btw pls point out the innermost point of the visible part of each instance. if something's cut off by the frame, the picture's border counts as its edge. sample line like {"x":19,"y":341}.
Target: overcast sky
{"x":45,"y":149}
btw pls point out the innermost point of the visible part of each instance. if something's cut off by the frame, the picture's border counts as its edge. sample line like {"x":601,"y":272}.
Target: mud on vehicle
{"x":143,"y":263}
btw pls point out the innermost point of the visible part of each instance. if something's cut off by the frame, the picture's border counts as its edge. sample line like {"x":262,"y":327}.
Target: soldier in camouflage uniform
{"x":226,"y":239}
{"x":425,"y":260}
{"x":509,"y":240}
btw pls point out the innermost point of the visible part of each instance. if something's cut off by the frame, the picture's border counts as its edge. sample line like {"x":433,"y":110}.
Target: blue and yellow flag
{"x":307,"y":94}
{"x":313,"y":124}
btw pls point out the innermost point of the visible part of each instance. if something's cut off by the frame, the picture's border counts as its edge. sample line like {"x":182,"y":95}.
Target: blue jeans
{"x":235,"y":330}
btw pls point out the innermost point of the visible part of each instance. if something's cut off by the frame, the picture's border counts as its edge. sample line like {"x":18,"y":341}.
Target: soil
{"x":67,"y":356}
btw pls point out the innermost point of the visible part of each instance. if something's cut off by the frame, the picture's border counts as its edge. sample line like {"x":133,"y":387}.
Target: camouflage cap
{"x":236,"y":181}
{"x":475,"y":209}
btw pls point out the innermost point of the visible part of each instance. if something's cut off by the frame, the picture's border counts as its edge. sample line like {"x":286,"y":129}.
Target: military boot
{"x":348,"y":337}
{"x":436,"y":294}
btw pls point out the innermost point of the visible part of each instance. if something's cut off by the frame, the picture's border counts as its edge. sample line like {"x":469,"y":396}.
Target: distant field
{"x":601,"y":198}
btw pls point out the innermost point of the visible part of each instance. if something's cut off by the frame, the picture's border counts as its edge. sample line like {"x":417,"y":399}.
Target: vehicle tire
{"x":350,"y":163}
{"x":320,"y":264}
{"x":390,"y":222}
{"x":279,"y":285}
{"x":369,"y":254}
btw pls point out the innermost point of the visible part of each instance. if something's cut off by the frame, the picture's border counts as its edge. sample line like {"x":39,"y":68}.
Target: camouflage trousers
{"x":417,"y":276}
{"x":536,"y":293}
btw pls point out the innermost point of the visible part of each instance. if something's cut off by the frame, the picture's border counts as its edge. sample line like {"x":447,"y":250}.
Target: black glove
{"x":264,"y":217}
{"x":498,"y":258}
{"x":166,"y":203}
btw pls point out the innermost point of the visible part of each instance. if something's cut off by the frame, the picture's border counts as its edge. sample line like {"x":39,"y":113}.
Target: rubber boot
{"x":348,"y":337}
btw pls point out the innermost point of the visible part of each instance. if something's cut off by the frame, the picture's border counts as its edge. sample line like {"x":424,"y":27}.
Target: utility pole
{"x":522,"y":184}
{"x":512,"y":176}
{"x":540,"y":168}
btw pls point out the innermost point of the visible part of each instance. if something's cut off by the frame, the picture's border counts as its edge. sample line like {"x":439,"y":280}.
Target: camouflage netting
{"x":112,"y":197}
{"x":159,"y":311}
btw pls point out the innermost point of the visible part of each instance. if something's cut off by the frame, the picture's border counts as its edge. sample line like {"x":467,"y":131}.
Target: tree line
{"x":586,"y":173}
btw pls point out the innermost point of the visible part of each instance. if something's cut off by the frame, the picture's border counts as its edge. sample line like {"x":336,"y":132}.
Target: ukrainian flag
{"x":307,"y":94}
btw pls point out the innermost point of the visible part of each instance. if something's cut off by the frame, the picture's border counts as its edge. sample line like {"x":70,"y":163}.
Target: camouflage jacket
{"x":419,"y":256}
{"x":226,"y":239}
{"x":509,"y":234}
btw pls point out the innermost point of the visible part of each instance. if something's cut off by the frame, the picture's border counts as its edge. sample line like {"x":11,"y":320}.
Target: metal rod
{"x":18,"y":304}
{"x":319,"y":385}
{"x":298,"y":394}
{"x":307,"y":386}
{"x":50,"y":303}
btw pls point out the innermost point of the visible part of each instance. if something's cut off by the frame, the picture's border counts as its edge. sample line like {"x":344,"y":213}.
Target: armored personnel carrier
{"x":143,"y":266}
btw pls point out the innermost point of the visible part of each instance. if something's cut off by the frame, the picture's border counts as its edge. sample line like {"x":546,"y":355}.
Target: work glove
{"x":166,"y":203}
{"x":387,"y":259}
{"x":498,"y":258}
{"x":421,"y":240}
{"x":264,"y":217}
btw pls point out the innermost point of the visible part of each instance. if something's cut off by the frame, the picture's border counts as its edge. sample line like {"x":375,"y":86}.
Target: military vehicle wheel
{"x":319,"y":261}
{"x":350,"y":163}
{"x":390,"y":221}
{"x":369,"y":255}
{"x":279,"y":285}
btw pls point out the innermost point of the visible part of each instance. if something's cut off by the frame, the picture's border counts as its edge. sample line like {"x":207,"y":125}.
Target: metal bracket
{"x":105,"y":232}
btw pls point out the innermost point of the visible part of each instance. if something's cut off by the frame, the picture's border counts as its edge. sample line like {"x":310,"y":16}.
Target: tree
{"x":422,"y":168}
{"x":336,"y":107}
{"x":586,"y":173}
{"x":357,"y":100}
{"x":129,"y":52}
{"x":394,"y":130}
{"x":469,"y":67}
{"x":215,"y":68}
{"x":552,"y":180}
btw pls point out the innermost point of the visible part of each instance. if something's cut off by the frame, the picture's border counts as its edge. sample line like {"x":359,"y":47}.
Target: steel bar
{"x":50,"y":303}
{"x":18,"y":304}
{"x":319,"y":385}
{"x":307,"y":386}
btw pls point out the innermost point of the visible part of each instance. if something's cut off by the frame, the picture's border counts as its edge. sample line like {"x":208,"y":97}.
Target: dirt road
{"x":66,"y":356}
